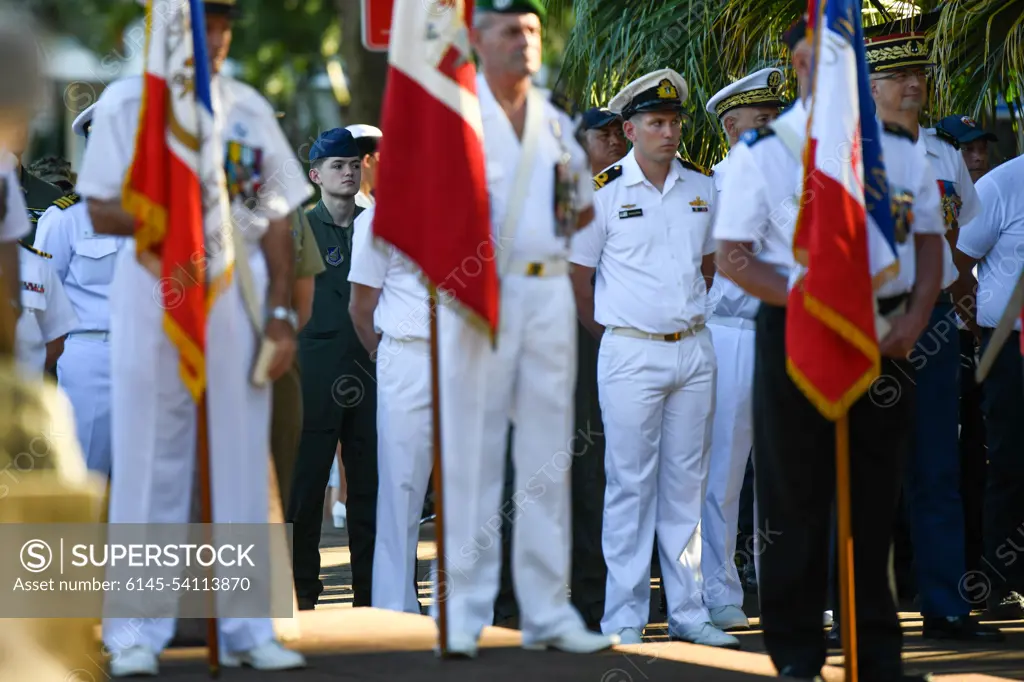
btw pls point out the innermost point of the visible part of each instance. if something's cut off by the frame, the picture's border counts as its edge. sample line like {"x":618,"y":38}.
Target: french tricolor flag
{"x":172,"y":184}
{"x":831,"y":335}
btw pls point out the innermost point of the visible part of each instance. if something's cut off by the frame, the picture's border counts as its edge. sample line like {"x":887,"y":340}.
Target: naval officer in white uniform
{"x":391,"y":315}
{"x":651,"y":247}
{"x":367,"y":138}
{"x":154,"y":424}
{"x":749,"y":103}
{"x":46,"y":314}
{"x":84,"y":263}
{"x":529,"y":375}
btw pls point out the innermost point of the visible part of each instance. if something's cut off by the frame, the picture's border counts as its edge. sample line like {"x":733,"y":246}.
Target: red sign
{"x":376,"y":24}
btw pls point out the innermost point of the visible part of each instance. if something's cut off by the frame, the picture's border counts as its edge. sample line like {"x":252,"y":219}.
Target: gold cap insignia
{"x":774,"y":79}
{"x":666,"y":90}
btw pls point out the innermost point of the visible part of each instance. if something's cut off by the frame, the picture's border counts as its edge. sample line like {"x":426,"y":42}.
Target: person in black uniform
{"x":338,"y":391}
{"x":794,"y":445}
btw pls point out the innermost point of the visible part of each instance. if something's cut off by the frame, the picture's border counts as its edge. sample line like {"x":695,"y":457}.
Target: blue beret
{"x":332,"y":143}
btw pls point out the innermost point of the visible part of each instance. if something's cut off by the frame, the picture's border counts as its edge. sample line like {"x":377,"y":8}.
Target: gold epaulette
{"x":35,"y":250}
{"x":606,"y":176}
{"x":67,"y":201}
{"x":694,"y":167}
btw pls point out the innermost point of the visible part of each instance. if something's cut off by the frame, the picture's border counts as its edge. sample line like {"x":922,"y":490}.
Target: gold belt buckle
{"x":535,"y":270}
{"x":674,"y":337}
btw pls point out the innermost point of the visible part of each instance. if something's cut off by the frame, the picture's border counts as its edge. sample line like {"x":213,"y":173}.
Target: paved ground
{"x":1005,"y":660}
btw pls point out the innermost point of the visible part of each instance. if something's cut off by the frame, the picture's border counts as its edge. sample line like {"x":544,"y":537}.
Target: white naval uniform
{"x":364,"y":200}
{"x":528,"y":378}
{"x":46,"y":313}
{"x":732,"y":437}
{"x":657,"y":397}
{"x":404,"y":416}
{"x":84,"y":263}
{"x":996,"y":239}
{"x":154,"y":424}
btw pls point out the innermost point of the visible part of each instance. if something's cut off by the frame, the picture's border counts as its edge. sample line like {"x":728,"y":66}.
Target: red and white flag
{"x":431,"y":195}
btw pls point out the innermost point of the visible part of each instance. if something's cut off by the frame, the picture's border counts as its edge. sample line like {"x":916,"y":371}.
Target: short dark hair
{"x":367,"y":146}
{"x":317,"y":163}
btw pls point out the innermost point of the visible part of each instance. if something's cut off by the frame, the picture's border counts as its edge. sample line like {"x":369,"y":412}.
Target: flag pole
{"x":441,"y":589}
{"x":847,"y":601}
{"x":206,"y":518}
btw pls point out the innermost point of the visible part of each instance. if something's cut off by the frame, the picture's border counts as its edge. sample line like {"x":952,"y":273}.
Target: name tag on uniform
{"x":631,"y":213}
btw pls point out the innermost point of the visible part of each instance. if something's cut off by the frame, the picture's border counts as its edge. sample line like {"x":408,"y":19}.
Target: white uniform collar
{"x":632,"y":174}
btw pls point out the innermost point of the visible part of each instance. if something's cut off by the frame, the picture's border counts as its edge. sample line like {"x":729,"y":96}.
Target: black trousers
{"x":973,"y":455}
{"x":795,"y":450}
{"x":1003,"y":404}
{"x":340,"y":401}
{"x":589,"y":571}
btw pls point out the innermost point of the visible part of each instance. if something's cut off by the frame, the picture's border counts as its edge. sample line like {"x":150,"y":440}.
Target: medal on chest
{"x":951,"y":203}
{"x":565,"y":188}
{"x":903,"y":214}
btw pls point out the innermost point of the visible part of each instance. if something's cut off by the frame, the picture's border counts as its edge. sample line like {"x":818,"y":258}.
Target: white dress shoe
{"x":460,"y":646}
{"x":829,"y":619}
{"x":630,"y":636}
{"x":729,"y":618}
{"x":134,"y":661}
{"x":707,"y":635}
{"x":340,"y":513}
{"x":267,"y":656}
{"x":577,"y":641}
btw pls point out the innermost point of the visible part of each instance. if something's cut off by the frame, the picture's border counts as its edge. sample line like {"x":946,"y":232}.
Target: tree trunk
{"x":366,"y":70}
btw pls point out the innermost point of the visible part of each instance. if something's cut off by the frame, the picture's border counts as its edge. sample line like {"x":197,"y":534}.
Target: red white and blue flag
{"x":174,"y":186}
{"x":431,"y":121}
{"x":831,"y":336}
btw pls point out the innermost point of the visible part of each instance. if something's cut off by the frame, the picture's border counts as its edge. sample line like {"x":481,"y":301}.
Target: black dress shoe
{"x":1010,"y":607}
{"x":963,"y":628}
{"x":306,"y":604}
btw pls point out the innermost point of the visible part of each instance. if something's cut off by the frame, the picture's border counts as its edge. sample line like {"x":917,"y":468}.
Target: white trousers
{"x":657,"y":403}
{"x":529,"y":378}
{"x":731,"y":439}
{"x":404,"y":463}
{"x":84,"y":374}
{"x":154,"y":433}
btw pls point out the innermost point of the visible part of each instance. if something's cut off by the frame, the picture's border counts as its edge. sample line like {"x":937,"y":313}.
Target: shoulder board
{"x":899,"y":131}
{"x":67,"y":201}
{"x":755,"y":135}
{"x":563,"y":103}
{"x":34,"y":250}
{"x":694,"y":167}
{"x":606,"y":176}
{"x":946,"y":137}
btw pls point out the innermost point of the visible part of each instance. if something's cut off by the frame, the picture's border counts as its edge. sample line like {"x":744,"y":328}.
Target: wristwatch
{"x":286,"y":314}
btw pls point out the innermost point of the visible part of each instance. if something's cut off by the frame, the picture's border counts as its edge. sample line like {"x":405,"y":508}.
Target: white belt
{"x":548,"y":268}
{"x":737,"y":322}
{"x":637,"y":334}
{"x":99,"y":336}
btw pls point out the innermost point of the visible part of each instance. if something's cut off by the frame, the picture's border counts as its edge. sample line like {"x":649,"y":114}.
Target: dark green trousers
{"x":339,"y":394}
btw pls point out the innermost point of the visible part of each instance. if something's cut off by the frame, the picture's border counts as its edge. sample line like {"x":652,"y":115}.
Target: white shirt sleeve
{"x":710,"y":243}
{"x":981,"y":234}
{"x":971,"y":206}
{"x":15,"y":224}
{"x":928,"y":203}
{"x":59,"y":317}
{"x":111,"y":146}
{"x":370,"y":257}
{"x":53,"y":236}
{"x":742,"y":221}
{"x":588,"y":243}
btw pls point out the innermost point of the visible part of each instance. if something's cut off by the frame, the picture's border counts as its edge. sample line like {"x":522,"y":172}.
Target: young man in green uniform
{"x":338,"y":391}
{"x":39,"y":195}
